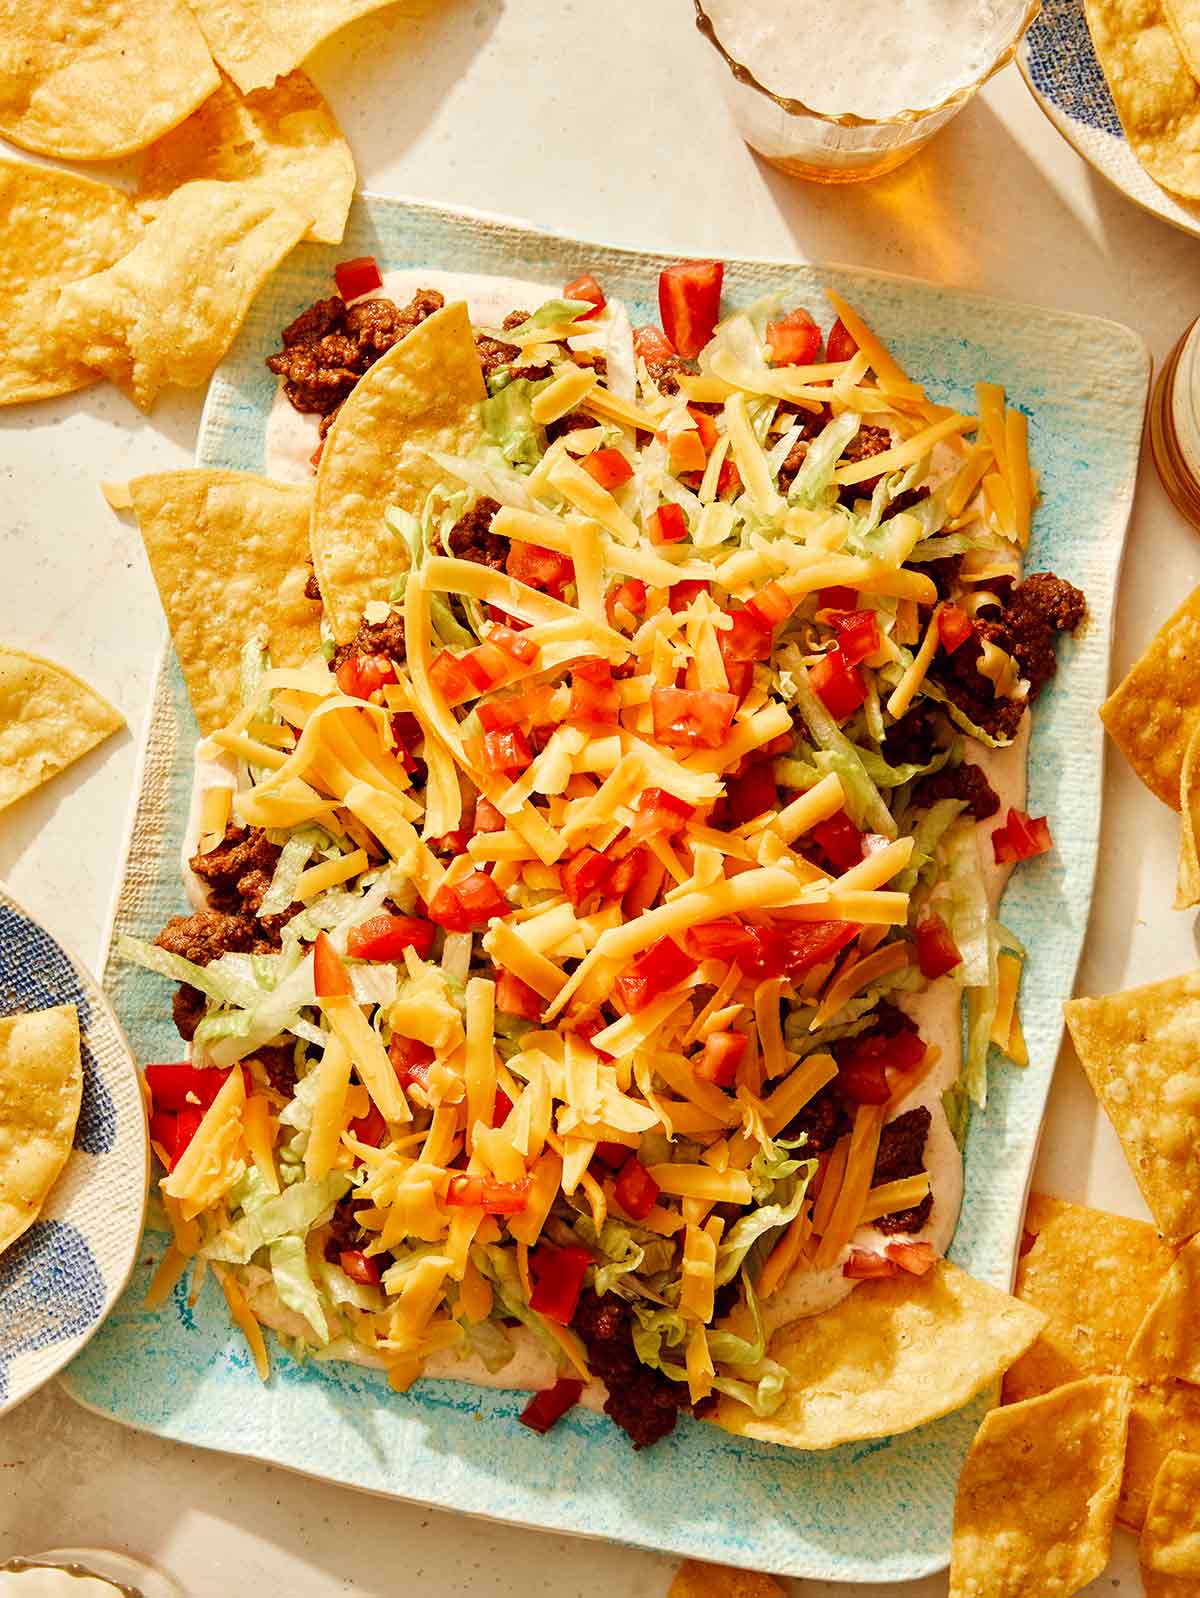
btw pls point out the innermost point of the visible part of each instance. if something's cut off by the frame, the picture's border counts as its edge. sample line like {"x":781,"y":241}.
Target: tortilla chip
{"x":257,"y":41}
{"x":1141,"y":1051}
{"x":41,"y":1087}
{"x":421,"y":395}
{"x":1038,"y":1493}
{"x":1169,"y":1550}
{"x":229,"y":553}
{"x":696,"y":1580}
{"x":1157,"y":98}
{"x":1183,"y":19}
{"x":1164,"y":1419}
{"x":286,"y":133}
{"x":1167,"y":1343}
{"x":168,"y":311}
{"x":897,"y":1353}
{"x":1150,"y":716}
{"x":49,"y":718}
{"x":1093,"y":1275}
{"x":54,"y":228}
{"x":1187,"y":881}
{"x":89,"y":82}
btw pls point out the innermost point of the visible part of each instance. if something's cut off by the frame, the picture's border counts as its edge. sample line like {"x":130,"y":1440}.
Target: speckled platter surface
{"x":879,"y":1511}
{"x":63,"y":1275}
{"x":1059,"y":65}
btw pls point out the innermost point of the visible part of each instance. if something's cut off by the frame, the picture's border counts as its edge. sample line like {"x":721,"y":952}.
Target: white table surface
{"x":599,"y":121}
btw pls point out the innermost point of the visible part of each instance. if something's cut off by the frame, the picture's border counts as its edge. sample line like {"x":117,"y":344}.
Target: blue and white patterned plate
{"x":1059,"y":65}
{"x":60,"y":1278}
{"x":878,"y":1511}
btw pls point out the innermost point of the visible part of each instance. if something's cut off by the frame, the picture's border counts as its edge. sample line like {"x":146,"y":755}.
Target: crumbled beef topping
{"x":331,"y":344}
{"x":471,"y":537}
{"x":187,"y":1010}
{"x":312,"y":588}
{"x":345,"y":1234}
{"x":643,"y":1402}
{"x":494,"y":355}
{"x":239,"y":870}
{"x":279,"y":1062}
{"x":866,"y":442}
{"x":823,"y":1120}
{"x":374,"y":638}
{"x":966,"y":782}
{"x":207,"y":935}
{"x":913,"y":740}
{"x":665,"y":373}
{"x":901,"y":1154}
{"x":945,"y":575}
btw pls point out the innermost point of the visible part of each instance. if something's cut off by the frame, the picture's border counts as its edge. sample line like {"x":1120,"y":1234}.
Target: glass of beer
{"x":842,"y":90}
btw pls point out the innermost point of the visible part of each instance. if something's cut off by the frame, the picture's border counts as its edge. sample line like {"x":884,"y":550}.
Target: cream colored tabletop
{"x":600,"y":121}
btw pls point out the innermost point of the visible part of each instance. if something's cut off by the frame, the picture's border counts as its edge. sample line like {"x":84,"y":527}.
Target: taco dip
{"x":613,"y":753}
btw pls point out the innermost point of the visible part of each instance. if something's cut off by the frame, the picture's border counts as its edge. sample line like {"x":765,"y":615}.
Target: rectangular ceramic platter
{"x":874,"y":1512}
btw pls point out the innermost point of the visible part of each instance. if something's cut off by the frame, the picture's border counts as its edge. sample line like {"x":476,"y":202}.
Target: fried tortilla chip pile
{"x":49,"y":718}
{"x":41,"y":1088}
{"x":1150,"y":54}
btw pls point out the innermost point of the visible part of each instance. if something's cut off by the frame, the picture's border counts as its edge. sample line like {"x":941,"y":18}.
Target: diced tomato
{"x":858,"y":635}
{"x":626,"y":872}
{"x":449,"y":678}
{"x":176,"y":1087}
{"x":864,"y":1266}
{"x":613,"y":1155}
{"x":792,"y":949}
{"x":485,"y":666}
{"x":635,"y":1190}
{"x":686,"y":453}
{"x":660,"y":814}
{"x":706,"y":426}
{"x":594,"y":696}
{"x":370,"y":1128}
{"x":557,"y":1281}
{"x":729,"y":479}
{"x":585,"y":873}
{"x":667,"y":525}
{"x":487,"y":817}
{"x":451,"y":842}
{"x":691,"y":718}
{"x":954,"y":627}
{"x":506,"y":710}
{"x":546,"y":1408}
{"x":740,"y":675}
{"x":629,"y":595}
{"x":482,"y":1192}
{"x":689,"y":302}
{"x":864,"y":1080}
{"x":360,"y":1267}
{"x":359,"y":276}
{"x":502,"y":1108}
{"x":917,"y":1258}
{"x":645,"y":887}
{"x":385,"y":937}
{"x":523,"y":650}
{"x":748,"y":638}
{"x":655,"y":970}
{"x":506,"y":751}
{"x":360,"y":675}
{"x":516,"y":997}
{"x":839,"y":684}
{"x":538,"y":567}
{"x":187,"y":1124}
{"x":680,"y":595}
{"x":467,"y":904}
{"x":411,"y":1060}
{"x":609,"y":467}
{"x":728,"y":940}
{"x":652,"y":344}
{"x":840,"y":345}
{"x":839,"y":840}
{"x":752,"y":793}
{"x":837,"y":598}
{"x":588,"y":1027}
{"x":795,"y":340}
{"x":331,"y":980}
{"x":862,"y":1075}
{"x":723,"y":1052}
{"x":164,"y":1129}
{"x":937,"y":951}
{"x":585,"y":288}
{"x":771,"y":606}
{"x":1021,"y":838}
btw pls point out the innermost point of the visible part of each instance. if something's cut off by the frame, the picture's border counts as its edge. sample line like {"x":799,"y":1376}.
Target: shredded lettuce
{"x":489,"y":475}
{"x":621,"y":377}
{"x":772,"y":1164}
{"x":294,"y":1284}
{"x":275,"y":1012}
{"x":342,"y":1289}
{"x":499,"y":1265}
{"x":551,"y":314}
{"x":927,"y":835}
{"x":815,"y":478}
{"x":218,"y":984}
{"x":508,"y":423}
{"x":836,"y":753}
{"x":969,"y":911}
{"x":744,"y":1233}
{"x":266,"y":1218}
{"x":491,"y":1342}
{"x":956,"y":1101}
{"x":295,"y":856}
{"x":935,"y":691}
{"x":628,"y":1251}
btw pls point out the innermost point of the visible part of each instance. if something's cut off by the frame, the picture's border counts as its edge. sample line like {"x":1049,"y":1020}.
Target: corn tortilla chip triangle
{"x":1092,"y":1274}
{"x":49,"y":718}
{"x":1183,"y":18}
{"x":1038,"y":1493}
{"x":696,"y":1580}
{"x":229,"y":554}
{"x":1141,"y":1052}
{"x":897,"y":1353}
{"x":1164,"y":1419}
{"x":1187,"y":882}
{"x":54,"y":228}
{"x":1150,"y":715}
{"x":1169,"y":1549}
{"x":1156,"y":96}
{"x":41,"y":1087}
{"x":286,"y":133}
{"x":168,"y":311}
{"x":83,"y":82}
{"x":421,"y":395}
{"x":257,"y":41}
{"x":1167,"y":1343}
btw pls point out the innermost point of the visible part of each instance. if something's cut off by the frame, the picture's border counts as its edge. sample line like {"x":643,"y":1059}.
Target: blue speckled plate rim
{"x":539,"y":1503}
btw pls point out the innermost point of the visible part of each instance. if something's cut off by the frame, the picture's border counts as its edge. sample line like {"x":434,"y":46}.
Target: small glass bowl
{"x":837,"y":149}
{"x":1174,"y":425}
{"x":127,"y":1575}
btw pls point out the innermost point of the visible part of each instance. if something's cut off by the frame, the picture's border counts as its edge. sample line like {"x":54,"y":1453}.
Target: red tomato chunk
{"x":689,"y":302}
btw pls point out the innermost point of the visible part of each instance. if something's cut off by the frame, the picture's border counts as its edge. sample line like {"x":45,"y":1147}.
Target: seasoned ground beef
{"x":866,"y":442}
{"x":312,"y":588}
{"x":329,"y":346}
{"x":944,"y":574}
{"x":374,"y":638}
{"x":901,"y":1154}
{"x":239,"y":870}
{"x":665,"y":373}
{"x":471,"y":538}
{"x":494,"y":355}
{"x":572,"y":422}
{"x":279,"y":1062}
{"x":208,"y":934}
{"x":966,"y":782}
{"x":823,"y":1120}
{"x":913,"y":740}
{"x":344,"y":1231}
{"x":187,"y":1010}
{"x":908,"y":500}
{"x":643,"y":1402}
